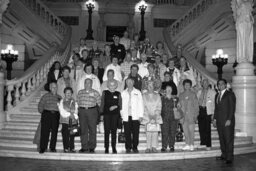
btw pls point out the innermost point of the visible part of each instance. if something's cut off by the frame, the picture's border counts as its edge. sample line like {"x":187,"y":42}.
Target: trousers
{"x":189,"y":132}
{"x":88,"y":124}
{"x":131,"y":131}
{"x":152,"y":139}
{"x":168,"y":129}
{"x":110,"y":126}
{"x":68,"y":141}
{"x":204,"y":124}
{"x":49,"y":123}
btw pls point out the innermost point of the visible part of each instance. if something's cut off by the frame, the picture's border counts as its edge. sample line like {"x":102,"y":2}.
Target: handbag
{"x":121,"y":137}
{"x":74,"y":130}
{"x":178,"y":114}
{"x":152,"y":127}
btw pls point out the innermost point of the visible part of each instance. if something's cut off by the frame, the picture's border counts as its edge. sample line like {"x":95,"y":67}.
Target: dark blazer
{"x":51,"y":78}
{"x":225,"y":109}
{"x":100,"y":74}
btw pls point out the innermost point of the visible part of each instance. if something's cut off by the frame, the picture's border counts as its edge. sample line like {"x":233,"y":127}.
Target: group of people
{"x":134,"y":82}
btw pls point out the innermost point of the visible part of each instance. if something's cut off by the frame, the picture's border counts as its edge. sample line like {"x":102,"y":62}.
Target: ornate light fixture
{"x":219,"y":59}
{"x":90,"y":6}
{"x":9,"y":56}
{"x":142,"y":7}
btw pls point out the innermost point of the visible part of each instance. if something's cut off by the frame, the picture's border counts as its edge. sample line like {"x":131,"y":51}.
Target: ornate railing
{"x":19,"y":89}
{"x":197,"y":10}
{"x":200,"y":72}
{"x":41,"y":10}
{"x":160,"y":2}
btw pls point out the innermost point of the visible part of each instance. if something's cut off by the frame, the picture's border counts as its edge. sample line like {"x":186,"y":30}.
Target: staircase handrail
{"x":199,"y":71}
{"x":192,"y":14}
{"x":37,"y":73}
{"x":41,"y":10}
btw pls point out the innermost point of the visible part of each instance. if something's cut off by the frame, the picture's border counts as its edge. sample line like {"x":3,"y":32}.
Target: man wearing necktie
{"x":224,"y":119}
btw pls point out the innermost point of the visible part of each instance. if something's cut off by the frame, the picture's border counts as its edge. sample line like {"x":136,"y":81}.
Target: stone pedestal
{"x":244,"y":87}
{"x":2,"y":113}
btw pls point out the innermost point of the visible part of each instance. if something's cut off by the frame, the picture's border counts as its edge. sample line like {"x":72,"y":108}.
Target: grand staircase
{"x":23,"y":95}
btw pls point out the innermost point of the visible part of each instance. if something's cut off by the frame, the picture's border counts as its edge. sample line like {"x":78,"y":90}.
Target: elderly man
{"x":131,"y":113}
{"x":88,"y":102}
{"x":118,"y":49}
{"x":206,"y":98}
{"x":49,"y":118}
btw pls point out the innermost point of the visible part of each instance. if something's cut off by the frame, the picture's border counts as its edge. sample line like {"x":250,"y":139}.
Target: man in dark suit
{"x":224,"y":119}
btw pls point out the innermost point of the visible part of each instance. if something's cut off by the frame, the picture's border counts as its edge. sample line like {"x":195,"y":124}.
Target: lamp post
{"x":9,"y":56}
{"x":90,"y":6}
{"x":142,"y":8}
{"x":219,"y":59}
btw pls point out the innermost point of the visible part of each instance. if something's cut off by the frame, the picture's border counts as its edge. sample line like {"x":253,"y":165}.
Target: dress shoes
{"x":220,"y":158}
{"x":163,"y":150}
{"x":172,"y":149}
{"x":128,"y":150}
{"x":106,"y":151}
{"x":135,"y":150}
{"x":91,"y":151}
{"x":41,"y":151}
{"x":65,"y":150}
{"x":114,"y":150}
{"x":83,"y":150}
{"x":72,"y":151}
{"x":229,"y":161}
{"x":53,"y":150}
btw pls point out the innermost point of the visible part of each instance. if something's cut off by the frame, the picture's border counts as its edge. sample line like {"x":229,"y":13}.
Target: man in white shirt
{"x":88,"y":75}
{"x":125,"y":40}
{"x":117,"y":69}
{"x":143,"y":66}
{"x":131,"y":113}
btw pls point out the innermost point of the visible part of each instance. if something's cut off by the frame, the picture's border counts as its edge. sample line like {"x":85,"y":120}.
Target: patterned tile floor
{"x":246,"y":162}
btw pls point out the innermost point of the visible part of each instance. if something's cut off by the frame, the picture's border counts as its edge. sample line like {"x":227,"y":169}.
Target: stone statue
{"x":242,"y":12}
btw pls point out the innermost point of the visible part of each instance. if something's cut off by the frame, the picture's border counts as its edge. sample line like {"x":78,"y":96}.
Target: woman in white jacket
{"x":131,"y":113}
{"x":68,"y":109}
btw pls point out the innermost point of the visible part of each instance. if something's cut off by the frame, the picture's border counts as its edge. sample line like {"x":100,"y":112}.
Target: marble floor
{"x":245,"y":162}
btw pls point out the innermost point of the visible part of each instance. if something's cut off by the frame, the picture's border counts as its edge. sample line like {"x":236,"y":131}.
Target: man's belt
{"x":87,"y":107}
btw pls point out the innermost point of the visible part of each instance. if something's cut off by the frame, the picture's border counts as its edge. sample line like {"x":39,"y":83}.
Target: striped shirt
{"x":126,"y":68}
{"x":88,"y":98}
{"x":49,"y":102}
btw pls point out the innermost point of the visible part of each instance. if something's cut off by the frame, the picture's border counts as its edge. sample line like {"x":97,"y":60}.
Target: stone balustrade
{"x":198,"y":9}
{"x":41,"y":10}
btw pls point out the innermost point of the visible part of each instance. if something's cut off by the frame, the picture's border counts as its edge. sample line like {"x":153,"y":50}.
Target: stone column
{"x":101,"y":27}
{"x":244,"y":82}
{"x":3,"y":7}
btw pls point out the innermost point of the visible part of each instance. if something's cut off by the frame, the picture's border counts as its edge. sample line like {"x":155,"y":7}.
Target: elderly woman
{"x":151,"y":76}
{"x":152,"y":117}
{"x":68,"y":109}
{"x":190,"y":108}
{"x":111,"y":104}
{"x":169,"y":126}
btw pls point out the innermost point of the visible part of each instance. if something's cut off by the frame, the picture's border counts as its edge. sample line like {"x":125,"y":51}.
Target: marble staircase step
{"x":121,"y":156}
{"x":120,"y":147}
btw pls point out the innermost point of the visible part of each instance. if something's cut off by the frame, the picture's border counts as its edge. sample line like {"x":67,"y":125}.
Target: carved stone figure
{"x":242,"y":12}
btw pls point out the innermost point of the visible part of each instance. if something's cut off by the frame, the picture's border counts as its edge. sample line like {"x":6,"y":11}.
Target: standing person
{"x":152,"y":117}
{"x":151,"y":76}
{"x":110,"y":76}
{"x":96,"y":70}
{"x":53,"y":75}
{"x":126,"y":65}
{"x":160,"y":67}
{"x":143,"y":66}
{"x":175,"y":72}
{"x":105,"y":58}
{"x":88,"y":100}
{"x":85,"y":58}
{"x":224,"y":119}
{"x":136,"y":77}
{"x":111,"y":104}
{"x":169,"y":126}
{"x":77,"y":67}
{"x":190,"y":109}
{"x":160,"y":48}
{"x":117,"y":50}
{"x":206,"y":98}
{"x":68,"y":109}
{"x":65,"y":81}
{"x":49,"y":118}
{"x":131,"y":113}
{"x":82,"y":45}
{"x":168,"y":82}
{"x":117,"y":69}
{"x":88,"y":74}
{"x":95,"y":52}
{"x":125,"y":40}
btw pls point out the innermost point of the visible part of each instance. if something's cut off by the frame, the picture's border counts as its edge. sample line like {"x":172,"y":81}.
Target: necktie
{"x":219,"y":98}
{"x":74,"y":71}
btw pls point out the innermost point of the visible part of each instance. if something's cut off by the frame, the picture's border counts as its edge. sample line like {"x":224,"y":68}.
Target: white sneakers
{"x":188,"y":147}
